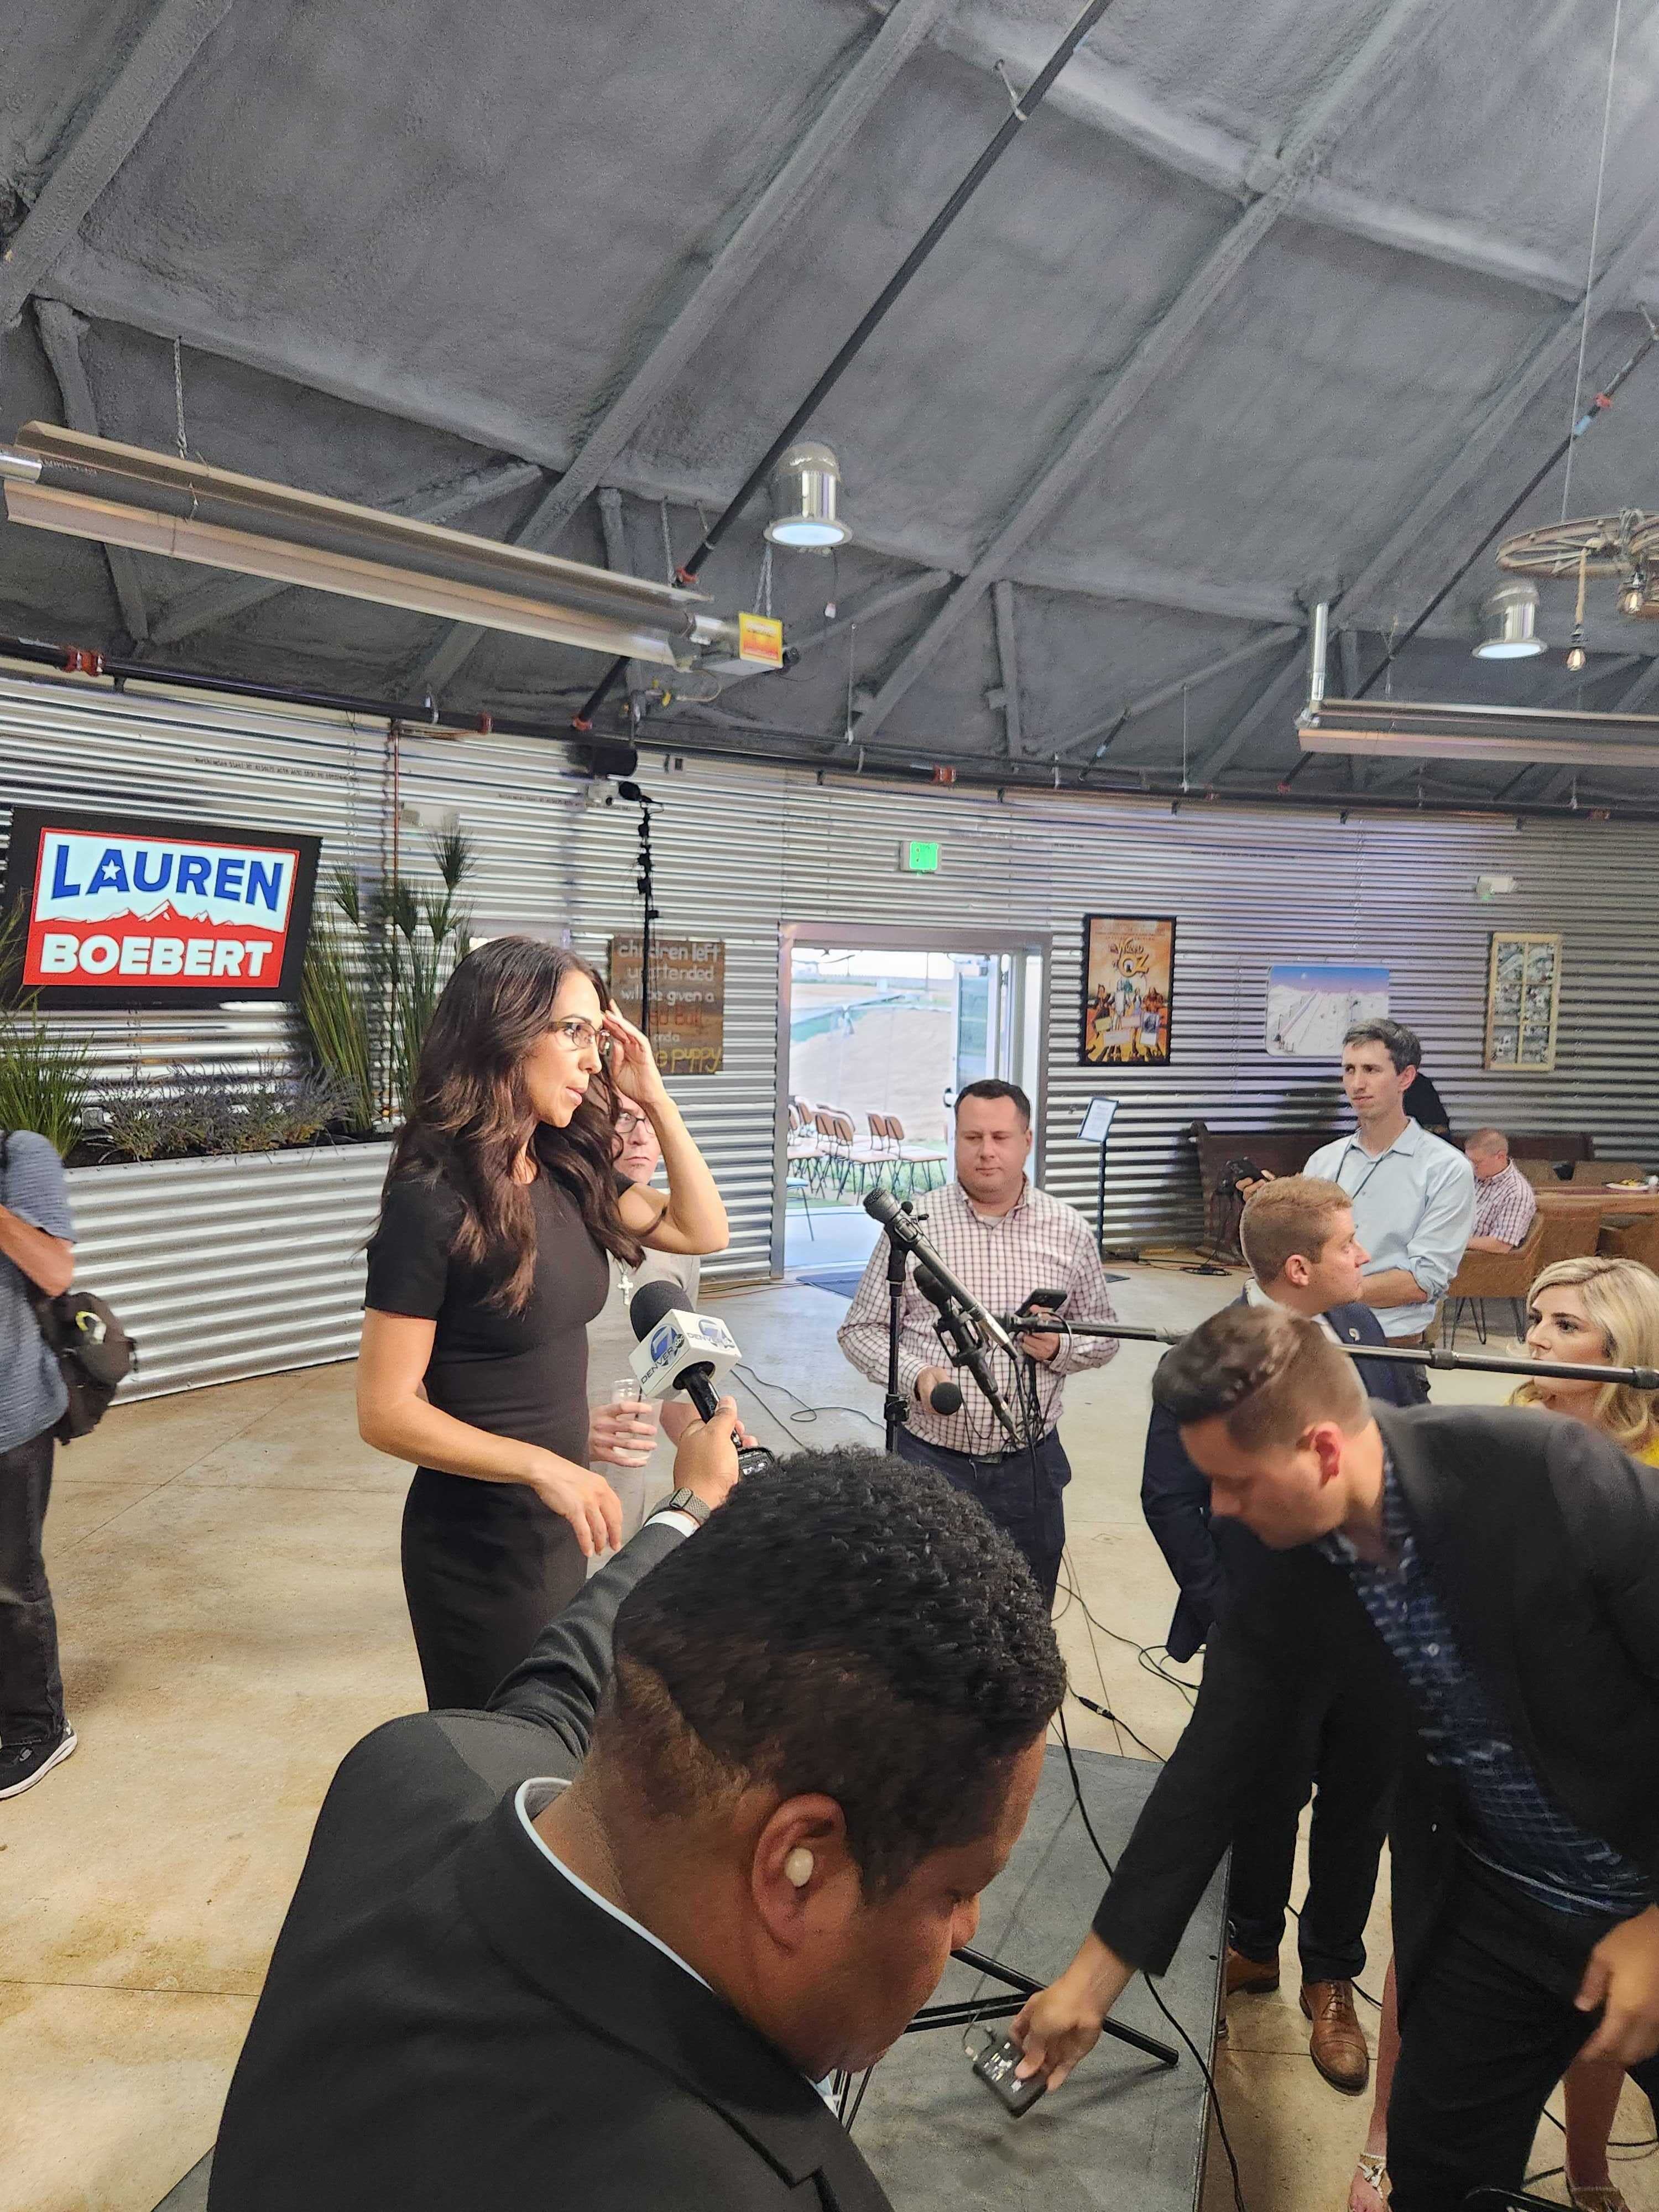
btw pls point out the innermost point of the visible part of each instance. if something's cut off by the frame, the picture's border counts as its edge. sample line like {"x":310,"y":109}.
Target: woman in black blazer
{"x":500,"y":1205}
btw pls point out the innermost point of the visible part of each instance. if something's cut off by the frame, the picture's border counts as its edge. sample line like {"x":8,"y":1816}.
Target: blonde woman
{"x":1590,"y":1312}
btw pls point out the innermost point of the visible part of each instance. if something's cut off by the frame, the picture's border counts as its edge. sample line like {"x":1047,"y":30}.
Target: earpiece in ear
{"x":798,"y":1866}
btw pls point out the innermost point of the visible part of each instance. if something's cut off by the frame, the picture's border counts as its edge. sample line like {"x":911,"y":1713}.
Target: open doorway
{"x":881,"y":1028}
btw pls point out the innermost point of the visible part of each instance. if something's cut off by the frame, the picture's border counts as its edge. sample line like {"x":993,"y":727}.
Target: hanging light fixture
{"x":1510,"y":617}
{"x":805,"y":486}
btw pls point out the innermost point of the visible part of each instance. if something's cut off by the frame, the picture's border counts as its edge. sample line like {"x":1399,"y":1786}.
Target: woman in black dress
{"x":500,"y":1204}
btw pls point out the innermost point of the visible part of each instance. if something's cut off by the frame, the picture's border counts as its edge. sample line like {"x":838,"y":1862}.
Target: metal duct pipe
{"x":1319,"y":645}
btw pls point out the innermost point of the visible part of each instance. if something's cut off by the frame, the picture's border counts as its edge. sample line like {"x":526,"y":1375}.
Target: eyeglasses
{"x":625,"y":1124}
{"x":580,"y":1036}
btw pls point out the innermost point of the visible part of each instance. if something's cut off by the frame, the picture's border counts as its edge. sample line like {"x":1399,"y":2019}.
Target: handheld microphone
{"x":896,"y":1219}
{"x":964,"y":1350}
{"x":946,"y":1398}
{"x":679,"y":1350}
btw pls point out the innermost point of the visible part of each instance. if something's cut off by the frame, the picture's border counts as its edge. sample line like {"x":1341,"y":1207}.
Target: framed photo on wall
{"x":1128,"y":990}
{"x":1523,"y":998}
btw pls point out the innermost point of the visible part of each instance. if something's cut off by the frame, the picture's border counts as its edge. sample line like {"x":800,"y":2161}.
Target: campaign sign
{"x":120,"y":910}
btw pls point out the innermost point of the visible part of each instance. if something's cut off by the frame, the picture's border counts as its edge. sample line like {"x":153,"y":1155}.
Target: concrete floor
{"x":226,"y":1570}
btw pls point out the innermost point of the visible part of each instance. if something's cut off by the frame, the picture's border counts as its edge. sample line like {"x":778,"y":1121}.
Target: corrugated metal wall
{"x":741,"y":850}
{"x":227,"y":1267}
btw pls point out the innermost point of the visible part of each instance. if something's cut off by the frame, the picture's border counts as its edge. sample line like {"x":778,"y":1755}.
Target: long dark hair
{"x":469,"y":1117}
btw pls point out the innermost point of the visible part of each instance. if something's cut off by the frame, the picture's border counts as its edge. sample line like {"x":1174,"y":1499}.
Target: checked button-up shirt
{"x":1001,"y":1258}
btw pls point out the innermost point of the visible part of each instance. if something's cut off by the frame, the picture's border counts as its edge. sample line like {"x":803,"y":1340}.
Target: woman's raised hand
{"x":633,"y":1066}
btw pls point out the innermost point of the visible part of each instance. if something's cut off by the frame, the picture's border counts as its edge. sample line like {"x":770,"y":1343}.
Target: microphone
{"x":964,"y":1350}
{"x":897,"y":1219}
{"x":679,"y":1350}
{"x":946,"y":1398}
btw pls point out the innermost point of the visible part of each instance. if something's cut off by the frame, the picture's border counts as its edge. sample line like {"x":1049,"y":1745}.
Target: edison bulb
{"x":1576,"y":657}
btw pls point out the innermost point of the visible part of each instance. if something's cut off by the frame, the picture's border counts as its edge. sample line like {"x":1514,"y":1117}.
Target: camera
{"x":1237,"y":1171}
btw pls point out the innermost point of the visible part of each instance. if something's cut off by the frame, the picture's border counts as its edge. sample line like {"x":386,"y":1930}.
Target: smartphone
{"x":1046,"y":1301}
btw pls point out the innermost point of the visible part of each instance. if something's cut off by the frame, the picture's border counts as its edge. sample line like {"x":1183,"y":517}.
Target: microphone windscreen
{"x":881,"y":1205}
{"x":946,"y":1398}
{"x":650,"y":1302}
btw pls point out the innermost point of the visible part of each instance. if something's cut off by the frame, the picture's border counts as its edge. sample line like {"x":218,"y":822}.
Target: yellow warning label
{"x":760,"y":639}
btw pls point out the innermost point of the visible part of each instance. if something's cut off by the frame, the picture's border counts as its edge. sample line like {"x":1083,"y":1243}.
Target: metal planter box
{"x":227,"y":1268}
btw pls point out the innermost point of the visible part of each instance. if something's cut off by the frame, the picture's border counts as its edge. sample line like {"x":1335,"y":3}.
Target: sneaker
{"x":21,"y":1765}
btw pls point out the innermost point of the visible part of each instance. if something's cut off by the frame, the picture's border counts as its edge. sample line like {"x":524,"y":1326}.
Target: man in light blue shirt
{"x":1414,"y":1196}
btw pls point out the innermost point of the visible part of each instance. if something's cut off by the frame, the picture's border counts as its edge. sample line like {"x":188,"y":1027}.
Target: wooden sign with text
{"x":688,"y":999}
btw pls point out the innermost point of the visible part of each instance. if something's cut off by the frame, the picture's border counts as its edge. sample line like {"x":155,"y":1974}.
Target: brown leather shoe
{"x":1250,"y":1978}
{"x":1337,"y":2045}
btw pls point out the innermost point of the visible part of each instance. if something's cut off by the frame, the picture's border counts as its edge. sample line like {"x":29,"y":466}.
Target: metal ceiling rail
{"x":168,"y":44}
{"x":1112,"y":102}
{"x":1308,"y":144}
{"x":1102,"y":732}
{"x":60,"y":330}
{"x":1472,"y":445}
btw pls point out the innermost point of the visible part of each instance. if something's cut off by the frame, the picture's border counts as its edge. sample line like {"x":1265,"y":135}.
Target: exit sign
{"x":918,"y":856}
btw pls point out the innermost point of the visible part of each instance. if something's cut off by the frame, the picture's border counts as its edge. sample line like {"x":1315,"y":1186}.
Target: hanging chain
{"x":667,"y":545}
{"x":852,"y":640}
{"x":179,"y":397}
{"x":1183,"y":737}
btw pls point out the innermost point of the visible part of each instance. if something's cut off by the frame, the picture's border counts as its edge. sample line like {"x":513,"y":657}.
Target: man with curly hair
{"x":714,"y":1839}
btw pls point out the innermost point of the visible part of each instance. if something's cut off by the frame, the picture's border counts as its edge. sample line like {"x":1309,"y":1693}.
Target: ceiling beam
{"x":1471,"y":446}
{"x":730,"y":268}
{"x":118,"y":120}
{"x":1002,"y":607}
{"x":61,"y":329}
{"x":1634,"y":696}
{"x":1114,"y":102}
{"x":1106,"y":727}
{"x":1274,"y":701}
{"x":204,"y":606}
{"x":1308,"y":144}
{"x":1567,"y":681}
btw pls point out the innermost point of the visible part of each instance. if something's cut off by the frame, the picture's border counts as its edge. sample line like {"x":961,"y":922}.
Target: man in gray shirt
{"x":36,"y":1233}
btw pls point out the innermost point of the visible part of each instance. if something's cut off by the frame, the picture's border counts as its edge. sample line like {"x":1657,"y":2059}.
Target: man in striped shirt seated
{"x":1003,"y":1239}
{"x":1504,"y":1206}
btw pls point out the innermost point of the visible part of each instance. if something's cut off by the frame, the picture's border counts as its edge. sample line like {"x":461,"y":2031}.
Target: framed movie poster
{"x":1129,"y":984}
{"x":1523,"y":997}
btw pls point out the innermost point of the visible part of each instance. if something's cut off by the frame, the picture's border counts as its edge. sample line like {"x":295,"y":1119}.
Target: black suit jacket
{"x":1214,"y":1561}
{"x":448,"y":2022}
{"x":1542,"y":1538}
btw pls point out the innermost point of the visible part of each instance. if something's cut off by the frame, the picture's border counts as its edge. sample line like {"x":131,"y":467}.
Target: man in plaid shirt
{"x":1504,"y":1206}
{"x":1002,"y":1238}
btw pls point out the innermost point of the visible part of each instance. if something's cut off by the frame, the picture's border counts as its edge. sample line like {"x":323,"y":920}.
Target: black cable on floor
{"x":807,"y":1414}
{"x":1198,"y":2055}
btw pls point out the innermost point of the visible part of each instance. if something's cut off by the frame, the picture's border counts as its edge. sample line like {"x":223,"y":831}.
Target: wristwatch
{"x":687,"y":1501}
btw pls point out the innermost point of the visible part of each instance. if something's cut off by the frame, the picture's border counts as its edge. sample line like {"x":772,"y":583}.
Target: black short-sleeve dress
{"x":487,"y":1564}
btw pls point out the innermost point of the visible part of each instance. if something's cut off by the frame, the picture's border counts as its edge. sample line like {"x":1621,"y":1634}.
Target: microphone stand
{"x":894,"y":1406}
{"x":1481,"y":1363}
{"x":971,"y":2011}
